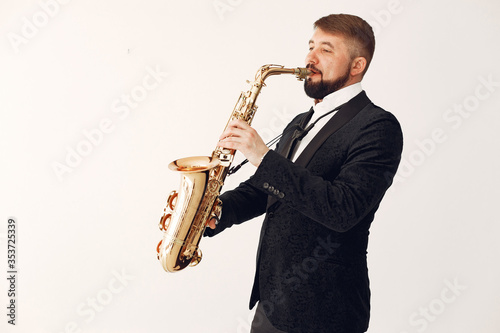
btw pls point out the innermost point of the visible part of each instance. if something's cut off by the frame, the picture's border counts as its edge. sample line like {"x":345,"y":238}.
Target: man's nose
{"x":311,"y":58}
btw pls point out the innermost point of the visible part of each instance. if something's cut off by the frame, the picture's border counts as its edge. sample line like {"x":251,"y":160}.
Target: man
{"x":311,"y":271}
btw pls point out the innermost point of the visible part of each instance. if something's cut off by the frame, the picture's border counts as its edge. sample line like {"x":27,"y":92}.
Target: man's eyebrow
{"x":322,"y":43}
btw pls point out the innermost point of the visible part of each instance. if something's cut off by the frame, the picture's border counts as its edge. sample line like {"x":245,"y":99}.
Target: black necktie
{"x":301,"y":131}
{"x":289,"y":145}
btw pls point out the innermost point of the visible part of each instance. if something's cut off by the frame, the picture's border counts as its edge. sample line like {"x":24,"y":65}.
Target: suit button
{"x":276,"y":192}
{"x":270,"y":188}
{"x":270,"y":215}
{"x":281,"y":195}
{"x":265,"y":185}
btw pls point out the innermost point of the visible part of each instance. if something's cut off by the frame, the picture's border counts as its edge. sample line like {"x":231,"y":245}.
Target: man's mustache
{"x":313,"y":69}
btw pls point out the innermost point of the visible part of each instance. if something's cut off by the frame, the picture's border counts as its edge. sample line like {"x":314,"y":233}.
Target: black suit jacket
{"x":311,"y":271}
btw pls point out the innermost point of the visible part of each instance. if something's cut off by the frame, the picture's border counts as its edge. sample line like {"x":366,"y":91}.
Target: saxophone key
{"x":172,"y":200}
{"x":164,"y":222}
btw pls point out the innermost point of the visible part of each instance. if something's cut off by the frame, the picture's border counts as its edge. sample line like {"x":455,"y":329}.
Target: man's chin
{"x":314,"y":90}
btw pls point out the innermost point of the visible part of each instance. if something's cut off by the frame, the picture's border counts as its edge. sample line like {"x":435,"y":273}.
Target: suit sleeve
{"x":239,"y":205}
{"x":373,"y":156}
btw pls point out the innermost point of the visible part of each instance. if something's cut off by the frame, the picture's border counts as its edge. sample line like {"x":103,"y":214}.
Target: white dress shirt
{"x":328,"y":103}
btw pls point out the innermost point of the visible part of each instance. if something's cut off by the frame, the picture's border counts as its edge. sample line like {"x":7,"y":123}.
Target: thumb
{"x":212,"y":223}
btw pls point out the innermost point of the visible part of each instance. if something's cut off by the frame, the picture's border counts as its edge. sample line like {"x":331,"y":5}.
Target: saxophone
{"x":188,"y":210}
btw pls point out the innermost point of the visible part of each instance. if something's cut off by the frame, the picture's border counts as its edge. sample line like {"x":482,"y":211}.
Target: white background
{"x":87,"y":234}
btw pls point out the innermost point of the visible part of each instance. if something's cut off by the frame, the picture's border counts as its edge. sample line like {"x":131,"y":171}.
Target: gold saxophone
{"x":189,"y":209}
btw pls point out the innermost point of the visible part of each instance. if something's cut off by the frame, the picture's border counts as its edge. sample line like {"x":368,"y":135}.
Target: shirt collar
{"x":337,"y":98}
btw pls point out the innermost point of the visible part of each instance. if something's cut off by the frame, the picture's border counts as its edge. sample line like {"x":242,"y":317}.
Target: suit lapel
{"x":342,"y":117}
{"x":288,"y":141}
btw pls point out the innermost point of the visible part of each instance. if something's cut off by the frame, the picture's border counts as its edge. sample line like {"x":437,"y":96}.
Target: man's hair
{"x":357,"y":32}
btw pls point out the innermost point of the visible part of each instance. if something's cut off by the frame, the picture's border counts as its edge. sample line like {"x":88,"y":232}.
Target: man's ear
{"x":358,"y":66}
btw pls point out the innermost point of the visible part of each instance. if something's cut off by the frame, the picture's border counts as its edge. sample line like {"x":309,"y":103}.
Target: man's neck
{"x":338,"y":97}
{"x":349,"y":83}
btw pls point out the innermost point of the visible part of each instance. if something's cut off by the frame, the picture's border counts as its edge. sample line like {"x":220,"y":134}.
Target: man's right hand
{"x":211,"y":224}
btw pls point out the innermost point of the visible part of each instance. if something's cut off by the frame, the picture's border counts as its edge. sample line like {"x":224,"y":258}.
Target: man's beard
{"x":321,"y":89}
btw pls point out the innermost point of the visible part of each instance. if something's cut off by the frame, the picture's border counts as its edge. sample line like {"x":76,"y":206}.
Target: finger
{"x":232,"y":132}
{"x":229,"y":131}
{"x":239,"y":123}
{"x":211,"y":223}
{"x":230,"y":143}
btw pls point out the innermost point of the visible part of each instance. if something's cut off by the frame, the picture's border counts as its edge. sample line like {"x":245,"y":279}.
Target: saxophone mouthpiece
{"x":302,"y":73}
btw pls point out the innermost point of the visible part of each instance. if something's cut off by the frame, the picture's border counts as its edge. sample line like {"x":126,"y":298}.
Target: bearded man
{"x":320,"y":189}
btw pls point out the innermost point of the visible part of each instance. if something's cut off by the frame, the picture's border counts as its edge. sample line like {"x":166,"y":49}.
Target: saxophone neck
{"x":263,"y":73}
{"x":267,"y":70}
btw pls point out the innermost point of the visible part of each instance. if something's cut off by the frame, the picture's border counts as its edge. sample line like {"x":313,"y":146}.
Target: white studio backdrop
{"x":97,"y":97}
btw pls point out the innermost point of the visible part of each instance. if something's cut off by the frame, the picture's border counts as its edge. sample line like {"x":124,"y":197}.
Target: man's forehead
{"x":322,"y":37}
